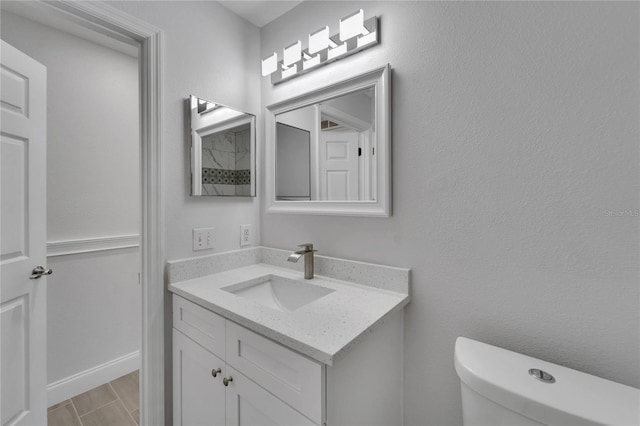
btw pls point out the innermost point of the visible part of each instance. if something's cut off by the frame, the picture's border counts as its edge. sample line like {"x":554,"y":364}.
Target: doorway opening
{"x":93,"y":217}
{"x":102,"y":20}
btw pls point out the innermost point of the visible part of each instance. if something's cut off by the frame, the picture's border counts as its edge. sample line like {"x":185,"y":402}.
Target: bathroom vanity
{"x":255,"y":343}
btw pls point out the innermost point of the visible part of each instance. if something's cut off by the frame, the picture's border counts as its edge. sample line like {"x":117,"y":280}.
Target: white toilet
{"x":500,"y":387}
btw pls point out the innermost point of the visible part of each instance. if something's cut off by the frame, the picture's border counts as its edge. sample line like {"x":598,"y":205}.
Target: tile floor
{"x":113,"y":404}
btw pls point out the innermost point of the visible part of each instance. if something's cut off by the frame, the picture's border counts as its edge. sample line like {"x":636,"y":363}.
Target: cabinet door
{"x":198,"y":397}
{"x":250,"y":405}
{"x":200,"y":325}
{"x":290,"y":376}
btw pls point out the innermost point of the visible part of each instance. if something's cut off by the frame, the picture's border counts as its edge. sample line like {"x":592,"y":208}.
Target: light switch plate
{"x":203,"y":238}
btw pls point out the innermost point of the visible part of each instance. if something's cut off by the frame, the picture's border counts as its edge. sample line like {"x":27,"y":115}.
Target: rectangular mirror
{"x":328,"y":151}
{"x":222,"y":150}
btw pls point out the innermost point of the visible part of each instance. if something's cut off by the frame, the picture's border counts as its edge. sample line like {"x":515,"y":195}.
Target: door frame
{"x":106,"y":20}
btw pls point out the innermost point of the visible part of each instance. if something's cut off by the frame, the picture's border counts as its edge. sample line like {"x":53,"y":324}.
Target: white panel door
{"x":338,"y":165}
{"x":23,"y":301}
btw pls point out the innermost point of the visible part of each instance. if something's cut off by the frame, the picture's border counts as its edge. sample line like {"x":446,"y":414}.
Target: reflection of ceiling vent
{"x":328,"y":125}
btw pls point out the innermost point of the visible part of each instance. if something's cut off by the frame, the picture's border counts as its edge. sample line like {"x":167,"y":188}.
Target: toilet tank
{"x":498,"y":389}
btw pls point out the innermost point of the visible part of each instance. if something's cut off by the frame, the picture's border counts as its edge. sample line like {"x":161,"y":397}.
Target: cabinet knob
{"x":215,"y":372}
{"x":226,"y":381}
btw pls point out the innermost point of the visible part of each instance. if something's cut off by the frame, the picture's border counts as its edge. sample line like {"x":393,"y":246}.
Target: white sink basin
{"x":282,"y":294}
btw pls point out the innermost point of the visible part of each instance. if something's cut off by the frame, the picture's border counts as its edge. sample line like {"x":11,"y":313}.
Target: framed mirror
{"x":222,"y":150}
{"x":329,"y":151}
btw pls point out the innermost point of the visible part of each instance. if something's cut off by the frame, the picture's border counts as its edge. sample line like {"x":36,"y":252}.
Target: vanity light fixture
{"x":292,"y":54}
{"x":205,"y":106}
{"x":337,"y":51}
{"x":309,"y":61}
{"x":290,"y":71}
{"x":352,"y":26}
{"x":270,"y":65}
{"x":319,"y":40}
{"x":354,"y":35}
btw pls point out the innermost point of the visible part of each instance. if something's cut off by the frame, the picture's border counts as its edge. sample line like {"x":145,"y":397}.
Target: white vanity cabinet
{"x":270,"y":384}
{"x":201,"y":399}
{"x":198,"y":397}
{"x":207,"y":390}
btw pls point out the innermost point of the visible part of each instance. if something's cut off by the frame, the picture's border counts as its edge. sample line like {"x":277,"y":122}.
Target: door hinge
{"x":359,"y":152}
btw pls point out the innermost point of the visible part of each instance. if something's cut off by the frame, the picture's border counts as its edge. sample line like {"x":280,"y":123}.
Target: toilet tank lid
{"x":575,"y":398}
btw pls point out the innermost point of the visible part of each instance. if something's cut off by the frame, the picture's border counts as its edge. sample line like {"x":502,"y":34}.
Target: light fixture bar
{"x":354,"y":36}
{"x":336,"y":52}
{"x":319,"y":40}
{"x":367,"y":39}
{"x":311,"y":62}
{"x":270,"y":64}
{"x":289,"y":71}
{"x":352,"y":25}
{"x":292,"y":54}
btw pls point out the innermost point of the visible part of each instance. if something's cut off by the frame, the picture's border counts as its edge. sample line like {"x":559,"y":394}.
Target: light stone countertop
{"x":323,"y":329}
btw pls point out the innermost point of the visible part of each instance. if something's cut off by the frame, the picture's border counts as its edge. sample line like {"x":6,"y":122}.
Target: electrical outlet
{"x":245,"y":235}
{"x":202,"y":238}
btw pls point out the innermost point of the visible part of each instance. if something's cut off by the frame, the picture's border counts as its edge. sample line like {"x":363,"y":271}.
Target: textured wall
{"x":93,"y":299}
{"x":92,"y":131}
{"x":515,"y":182}
{"x":211,"y":53}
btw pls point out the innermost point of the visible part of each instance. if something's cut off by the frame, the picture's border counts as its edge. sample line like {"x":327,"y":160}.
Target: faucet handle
{"x":307,"y":246}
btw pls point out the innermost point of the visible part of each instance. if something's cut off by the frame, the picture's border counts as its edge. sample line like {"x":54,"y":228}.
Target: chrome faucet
{"x":307,"y":251}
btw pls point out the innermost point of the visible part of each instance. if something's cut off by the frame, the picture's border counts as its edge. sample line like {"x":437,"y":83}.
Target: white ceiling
{"x":260,"y":13}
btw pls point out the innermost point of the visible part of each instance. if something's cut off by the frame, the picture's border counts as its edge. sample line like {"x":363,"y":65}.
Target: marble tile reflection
{"x":208,"y":189}
{"x":227,"y":189}
{"x":216,"y":159}
{"x":226,"y":162}
{"x":243,"y":160}
{"x":244,"y":190}
{"x":224,"y":141}
{"x":243,"y":141}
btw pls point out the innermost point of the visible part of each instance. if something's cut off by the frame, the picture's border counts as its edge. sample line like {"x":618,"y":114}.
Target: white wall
{"x":305,"y":119}
{"x":515,"y":134}
{"x":92,"y":129}
{"x":211,"y":53}
{"x":93,"y":311}
{"x":93,"y":306}
{"x":359,"y":105}
{"x":293,"y":159}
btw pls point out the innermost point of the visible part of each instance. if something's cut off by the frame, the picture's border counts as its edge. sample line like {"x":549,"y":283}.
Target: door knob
{"x":39,"y":271}
{"x":215,"y":372}
{"x":226,"y":381}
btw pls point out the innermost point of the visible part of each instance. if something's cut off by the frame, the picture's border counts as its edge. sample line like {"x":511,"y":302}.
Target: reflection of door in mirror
{"x":346,"y":157}
{"x":345,"y":151}
{"x":334,"y":156}
{"x":339,"y":165}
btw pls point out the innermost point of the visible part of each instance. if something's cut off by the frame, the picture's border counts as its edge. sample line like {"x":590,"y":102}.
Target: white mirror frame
{"x":380,"y":78}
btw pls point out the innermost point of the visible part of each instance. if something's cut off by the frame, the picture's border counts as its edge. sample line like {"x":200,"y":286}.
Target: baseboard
{"x":85,"y":380}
